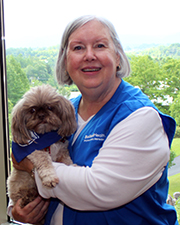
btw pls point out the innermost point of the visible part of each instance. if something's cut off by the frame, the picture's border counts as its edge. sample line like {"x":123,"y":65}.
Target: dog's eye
{"x":33,"y":110}
{"x":50,"y":108}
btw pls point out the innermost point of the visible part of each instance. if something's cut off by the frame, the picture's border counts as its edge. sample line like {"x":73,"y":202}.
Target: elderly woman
{"x":121,"y":145}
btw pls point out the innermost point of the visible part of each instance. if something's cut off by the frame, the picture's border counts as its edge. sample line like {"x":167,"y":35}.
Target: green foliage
{"x":177,"y":206}
{"x":172,"y":51}
{"x":38,"y":64}
{"x":52,"y":81}
{"x":174,"y":183}
{"x":25,"y":52}
{"x":175,"y":151}
{"x":35,"y":68}
{"x":162,"y":107}
{"x":49,"y":55}
{"x":176,"y":146}
{"x":158,"y":79}
{"x":177,"y":134}
{"x":10,"y":107}
{"x":146,"y":74}
{"x":171,"y":77}
{"x":175,"y":109}
{"x":64,"y":91}
{"x":172,"y":157}
{"x":72,"y":88}
{"x":17,"y":82}
{"x":35,"y":82}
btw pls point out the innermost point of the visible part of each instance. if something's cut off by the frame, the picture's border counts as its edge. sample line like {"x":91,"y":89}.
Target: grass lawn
{"x":174,"y":181}
{"x":176,"y":146}
{"x":174,"y":186}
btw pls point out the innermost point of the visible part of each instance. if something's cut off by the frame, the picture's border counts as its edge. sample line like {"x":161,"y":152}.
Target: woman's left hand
{"x":32,"y":212}
{"x":25,"y":164}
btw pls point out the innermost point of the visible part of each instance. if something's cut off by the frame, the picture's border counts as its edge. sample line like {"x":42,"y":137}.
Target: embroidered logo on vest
{"x":94,"y":137}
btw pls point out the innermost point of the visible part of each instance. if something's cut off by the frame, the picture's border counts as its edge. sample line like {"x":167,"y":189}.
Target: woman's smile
{"x":91,"y":69}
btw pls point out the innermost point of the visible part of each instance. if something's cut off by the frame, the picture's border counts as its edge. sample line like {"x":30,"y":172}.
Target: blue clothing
{"x":38,"y":142}
{"x":148,"y":209}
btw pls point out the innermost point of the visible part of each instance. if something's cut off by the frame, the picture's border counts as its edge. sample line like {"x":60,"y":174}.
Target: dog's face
{"x":43,"y":117}
{"x":42,"y":110}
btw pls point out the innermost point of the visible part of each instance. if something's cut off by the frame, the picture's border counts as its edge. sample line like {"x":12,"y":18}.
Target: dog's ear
{"x":18,"y":127}
{"x":68,"y":118}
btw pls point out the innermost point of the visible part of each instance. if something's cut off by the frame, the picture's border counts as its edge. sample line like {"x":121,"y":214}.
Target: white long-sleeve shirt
{"x":130,"y":161}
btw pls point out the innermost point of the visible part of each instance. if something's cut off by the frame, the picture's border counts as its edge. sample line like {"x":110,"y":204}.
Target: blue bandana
{"x":38,"y":142}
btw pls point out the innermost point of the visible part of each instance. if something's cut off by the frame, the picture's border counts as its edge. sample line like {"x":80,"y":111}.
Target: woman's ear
{"x":118,"y":59}
{"x":65,"y":62}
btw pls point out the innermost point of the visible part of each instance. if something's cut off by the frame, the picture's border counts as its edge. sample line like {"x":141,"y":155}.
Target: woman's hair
{"x":61,"y":73}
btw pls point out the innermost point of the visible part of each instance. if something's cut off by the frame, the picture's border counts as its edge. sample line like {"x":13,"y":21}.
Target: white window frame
{"x":4,"y":124}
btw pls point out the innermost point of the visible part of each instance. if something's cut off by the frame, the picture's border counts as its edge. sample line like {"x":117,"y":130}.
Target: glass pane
{"x":33,"y":30}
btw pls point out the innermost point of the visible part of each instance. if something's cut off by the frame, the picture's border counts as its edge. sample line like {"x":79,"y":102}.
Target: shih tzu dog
{"x":40,"y":111}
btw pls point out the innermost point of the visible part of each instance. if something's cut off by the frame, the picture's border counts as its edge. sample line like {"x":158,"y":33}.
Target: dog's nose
{"x":41,"y":116}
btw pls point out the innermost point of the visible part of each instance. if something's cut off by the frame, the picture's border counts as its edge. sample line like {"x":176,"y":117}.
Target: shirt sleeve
{"x":9,"y":208}
{"x":130,"y":161}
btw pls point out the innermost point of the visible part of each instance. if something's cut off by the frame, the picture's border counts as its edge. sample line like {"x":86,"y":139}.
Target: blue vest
{"x":148,"y":209}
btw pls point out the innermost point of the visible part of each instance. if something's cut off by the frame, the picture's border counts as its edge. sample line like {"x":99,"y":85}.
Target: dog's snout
{"x":41,"y":116}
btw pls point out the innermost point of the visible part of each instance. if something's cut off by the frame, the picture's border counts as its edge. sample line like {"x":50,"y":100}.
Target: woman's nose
{"x":89,"y":54}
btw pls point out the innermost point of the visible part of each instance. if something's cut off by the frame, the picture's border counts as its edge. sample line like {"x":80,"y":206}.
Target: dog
{"x":41,"y":110}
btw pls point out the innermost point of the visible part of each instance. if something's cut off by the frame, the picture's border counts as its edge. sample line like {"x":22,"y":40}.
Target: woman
{"x":121,"y":145}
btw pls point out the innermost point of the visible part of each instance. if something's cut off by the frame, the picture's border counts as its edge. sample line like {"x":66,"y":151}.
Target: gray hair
{"x":61,"y":73}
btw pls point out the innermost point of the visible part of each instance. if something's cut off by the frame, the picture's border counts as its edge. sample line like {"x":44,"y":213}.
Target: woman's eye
{"x":77,"y":48}
{"x":100,"y":45}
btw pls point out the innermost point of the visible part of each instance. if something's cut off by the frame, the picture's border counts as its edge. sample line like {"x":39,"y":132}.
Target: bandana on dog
{"x":38,"y":142}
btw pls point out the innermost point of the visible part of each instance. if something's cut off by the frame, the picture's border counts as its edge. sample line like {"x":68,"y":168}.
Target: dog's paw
{"x":50,"y":181}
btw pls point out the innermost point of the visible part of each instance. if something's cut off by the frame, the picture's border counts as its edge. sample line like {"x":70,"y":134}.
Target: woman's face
{"x":91,"y":60}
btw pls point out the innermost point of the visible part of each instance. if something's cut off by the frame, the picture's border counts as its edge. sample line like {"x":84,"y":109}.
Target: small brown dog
{"x":40,"y":110}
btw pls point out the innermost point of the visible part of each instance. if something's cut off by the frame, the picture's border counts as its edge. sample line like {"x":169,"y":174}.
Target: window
{"x":35,"y":24}
{"x":4,"y":147}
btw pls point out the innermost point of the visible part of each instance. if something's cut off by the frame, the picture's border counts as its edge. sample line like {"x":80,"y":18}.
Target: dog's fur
{"x":41,"y":110}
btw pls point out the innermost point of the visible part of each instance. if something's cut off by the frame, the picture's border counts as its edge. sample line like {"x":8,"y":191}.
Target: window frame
{"x":4,"y":123}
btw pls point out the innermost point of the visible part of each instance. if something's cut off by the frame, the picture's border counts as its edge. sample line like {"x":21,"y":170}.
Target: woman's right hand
{"x":32,"y":212}
{"x":25,"y":164}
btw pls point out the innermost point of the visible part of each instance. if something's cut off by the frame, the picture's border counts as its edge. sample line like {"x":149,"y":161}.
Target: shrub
{"x":177,"y":134}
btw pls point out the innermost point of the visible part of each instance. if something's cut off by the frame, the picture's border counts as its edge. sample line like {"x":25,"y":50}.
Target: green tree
{"x":161,"y":51}
{"x":48,"y":54}
{"x":72,"y":88}
{"x":38,"y":69}
{"x":35,"y":82}
{"x":52,"y":81}
{"x":17,"y":82}
{"x":146,"y":74}
{"x":175,"y":109}
{"x":171,"y":77}
{"x":64,"y":91}
{"x":10,"y":107}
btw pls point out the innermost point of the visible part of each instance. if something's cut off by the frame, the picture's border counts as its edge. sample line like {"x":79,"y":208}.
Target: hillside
{"x":160,"y":51}
{"x":50,"y":53}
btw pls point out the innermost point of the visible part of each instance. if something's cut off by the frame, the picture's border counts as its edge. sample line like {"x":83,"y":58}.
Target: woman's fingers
{"x":32,"y":212}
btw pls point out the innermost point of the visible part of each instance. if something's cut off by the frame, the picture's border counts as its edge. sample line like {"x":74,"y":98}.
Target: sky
{"x":40,"y":23}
